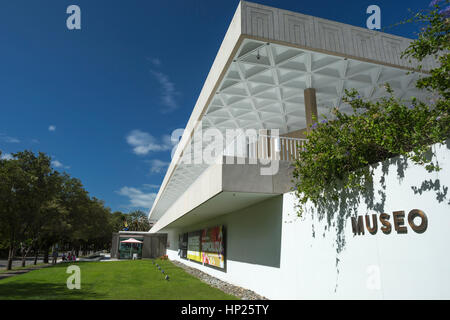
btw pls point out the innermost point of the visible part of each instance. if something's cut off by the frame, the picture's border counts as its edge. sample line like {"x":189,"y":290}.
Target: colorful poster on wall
{"x":194,"y":243}
{"x":212,"y":247}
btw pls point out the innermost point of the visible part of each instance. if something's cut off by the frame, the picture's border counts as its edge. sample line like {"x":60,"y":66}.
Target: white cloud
{"x":8,"y":139}
{"x":168,"y":91}
{"x":52,"y":128}
{"x":6,"y":156}
{"x":143,"y":142}
{"x":155,"y":61}
{"x":58,"y":164}
{"x":157,"y":165}
{"x":138,"y":199}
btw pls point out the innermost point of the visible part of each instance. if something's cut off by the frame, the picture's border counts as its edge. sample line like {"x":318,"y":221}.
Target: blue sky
{"x":103,"y":100}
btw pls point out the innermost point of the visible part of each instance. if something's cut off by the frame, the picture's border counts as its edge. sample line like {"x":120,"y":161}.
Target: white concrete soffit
{"x":262,"y":88}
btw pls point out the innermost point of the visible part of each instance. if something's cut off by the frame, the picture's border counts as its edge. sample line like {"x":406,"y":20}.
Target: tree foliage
{"x":40,"y":207}
{"x":137,"y":221}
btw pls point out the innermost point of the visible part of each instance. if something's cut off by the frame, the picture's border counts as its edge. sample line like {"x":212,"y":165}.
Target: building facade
{"x":226,"y":201}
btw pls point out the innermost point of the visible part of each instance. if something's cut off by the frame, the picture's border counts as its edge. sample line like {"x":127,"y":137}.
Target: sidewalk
{"x":17,"y":262}
{"x":12,"y":273}
{"x":28,"y":268}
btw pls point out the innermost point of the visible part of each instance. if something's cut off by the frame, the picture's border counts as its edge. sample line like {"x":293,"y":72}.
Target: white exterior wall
{"x":271,"y":251}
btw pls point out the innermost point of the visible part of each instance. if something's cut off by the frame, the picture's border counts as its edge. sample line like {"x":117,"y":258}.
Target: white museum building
{"x":235,"y":217}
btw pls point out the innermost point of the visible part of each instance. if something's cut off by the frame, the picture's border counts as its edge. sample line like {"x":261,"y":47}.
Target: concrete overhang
{"x":266,"y":60}
{"x":224,"y":187}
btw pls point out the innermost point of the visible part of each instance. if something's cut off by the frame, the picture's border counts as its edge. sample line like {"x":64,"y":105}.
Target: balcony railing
{"x":276,"y":148}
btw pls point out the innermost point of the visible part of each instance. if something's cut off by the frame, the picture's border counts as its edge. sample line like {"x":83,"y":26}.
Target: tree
{"x":138,"y":221}
{"x":41,"y":189}
{"x":53,"y":225}
{"x":12,"y":180}
{"x":26,"y":186}
{"x":40,"y":207}
{"x":117,"y":221}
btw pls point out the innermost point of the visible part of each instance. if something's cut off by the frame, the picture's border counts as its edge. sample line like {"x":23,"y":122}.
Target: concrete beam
{"x":229,"y":176}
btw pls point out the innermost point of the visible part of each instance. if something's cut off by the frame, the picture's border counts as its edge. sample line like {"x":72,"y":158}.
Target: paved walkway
{"x":12,"y":273}
{"x":18,"y":262}
{"x":30,"y":264}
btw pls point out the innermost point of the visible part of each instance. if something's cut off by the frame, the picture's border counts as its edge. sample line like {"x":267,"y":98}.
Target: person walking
{"x":55,"y":256}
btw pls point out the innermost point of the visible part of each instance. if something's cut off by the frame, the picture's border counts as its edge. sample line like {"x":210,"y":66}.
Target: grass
{"x":137,"y":280}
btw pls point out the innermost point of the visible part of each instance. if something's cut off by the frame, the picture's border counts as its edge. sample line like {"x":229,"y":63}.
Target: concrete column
{"x":310,"y":106}
{"x":263,"y":144}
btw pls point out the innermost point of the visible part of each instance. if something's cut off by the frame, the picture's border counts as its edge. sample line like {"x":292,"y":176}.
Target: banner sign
{"x":205,"y":246}
{"x":212,"y":247}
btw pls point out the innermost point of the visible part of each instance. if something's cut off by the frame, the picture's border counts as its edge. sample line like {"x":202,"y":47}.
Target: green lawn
{"x":139,"y":279}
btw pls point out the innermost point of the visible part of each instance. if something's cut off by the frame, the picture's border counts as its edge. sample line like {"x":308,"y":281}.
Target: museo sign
{"x":417,"y":220}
